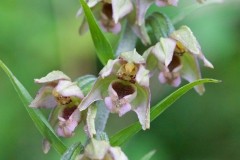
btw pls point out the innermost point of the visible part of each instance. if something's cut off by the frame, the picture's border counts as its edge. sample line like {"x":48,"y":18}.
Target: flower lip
{"x":67,"y":112}
{"x":107,"y":10}
{"x":122,"y":89}
{"x":174,"y":63}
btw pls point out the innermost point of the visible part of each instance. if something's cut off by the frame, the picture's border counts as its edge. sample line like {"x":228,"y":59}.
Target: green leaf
{"x":149,"y":155}
{"x":37,"y":117}
{"x":72,"y":151}
{"x":102,"y":45}
{"x":188,"y":10}
{"x":123,"y":135}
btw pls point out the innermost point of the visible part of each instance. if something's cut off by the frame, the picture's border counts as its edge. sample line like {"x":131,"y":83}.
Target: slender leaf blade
{"x":123,"y":135}
{"x":102,"y":45}
{"x":37,"y":117}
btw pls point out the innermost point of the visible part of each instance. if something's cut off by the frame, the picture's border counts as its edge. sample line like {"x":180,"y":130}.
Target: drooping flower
{"x":63,"y":96}
{"x":123,"y":84}
{"x":101,"y":150}
{"x":108,"y":12}
{"x":176,"y":57}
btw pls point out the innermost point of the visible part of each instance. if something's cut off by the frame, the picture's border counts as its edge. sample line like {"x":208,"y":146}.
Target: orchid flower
{"x":101,"y":150}
{"x":176,"y":56}
{"x":108,"y":12}
{"x":62,"y":95}
{"x":123,"y":84}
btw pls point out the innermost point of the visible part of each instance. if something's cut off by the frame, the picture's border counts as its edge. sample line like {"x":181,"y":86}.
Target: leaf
{"x":149,"y":155}
{"x":188,"y":10}
{"x":123,"y":135}
{"x":102,"y":45}
{"x":37,"y":117}
{"x":72,"y":151}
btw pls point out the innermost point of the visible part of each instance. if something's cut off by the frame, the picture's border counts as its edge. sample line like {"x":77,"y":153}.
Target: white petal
{"x":52,"y":77}
{"x":121,"y":8}
{"x":44,"y":98}
{"x":117,"y":153}
{"x":68,"y":89}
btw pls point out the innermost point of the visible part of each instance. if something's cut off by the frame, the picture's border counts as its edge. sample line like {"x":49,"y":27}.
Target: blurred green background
{"x":37,"y":37}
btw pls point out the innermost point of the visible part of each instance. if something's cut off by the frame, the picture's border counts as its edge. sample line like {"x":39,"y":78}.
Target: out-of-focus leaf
{"x":189,"y":9}
{"x":123,"y":135}
{"x":149,"y":155}
{"x":37,"y":117}
{"x":102,"y":45}
{"x":72,"y":151}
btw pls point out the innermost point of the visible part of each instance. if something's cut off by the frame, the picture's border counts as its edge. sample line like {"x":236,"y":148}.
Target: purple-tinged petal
{"x":44,"y":98}
{"x":53,"y":76}
{"x":141,"y":105}
{"x":68,"y":121}
{"x":108,"y":25}
{"x":121,"y":94}
{"x":191,"y":71}
{"x":111,"y":67}
{"x":124,"y":109}
{"x":98,"y":91}
{"x":142,"y":76}
{"x":142,"y":7}
{"x":121,"y":8}
{"x":109,"y":103}
{"x":68,"y":89}
{"x":171,"y":78}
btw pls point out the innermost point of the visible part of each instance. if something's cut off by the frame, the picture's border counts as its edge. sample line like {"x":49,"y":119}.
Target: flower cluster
{"x":175,"y":57}
{"x":63,"y":96}
{"x":109,"y":13}
{"x":123,"y":84}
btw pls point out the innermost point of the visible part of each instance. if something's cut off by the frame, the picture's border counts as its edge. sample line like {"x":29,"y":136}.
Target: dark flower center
{"x":67,"y":112}
{"x":174,"y":63}
{"x":107,"y":10}
{"x":122,"y":89}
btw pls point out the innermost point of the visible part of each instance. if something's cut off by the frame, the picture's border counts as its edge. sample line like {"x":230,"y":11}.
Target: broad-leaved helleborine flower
{"x":176,"y":57}
{"x":123,"y":84}
{"x":63,"y":96}
{"x":101,"y":150}
{"x":108,"y":13}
